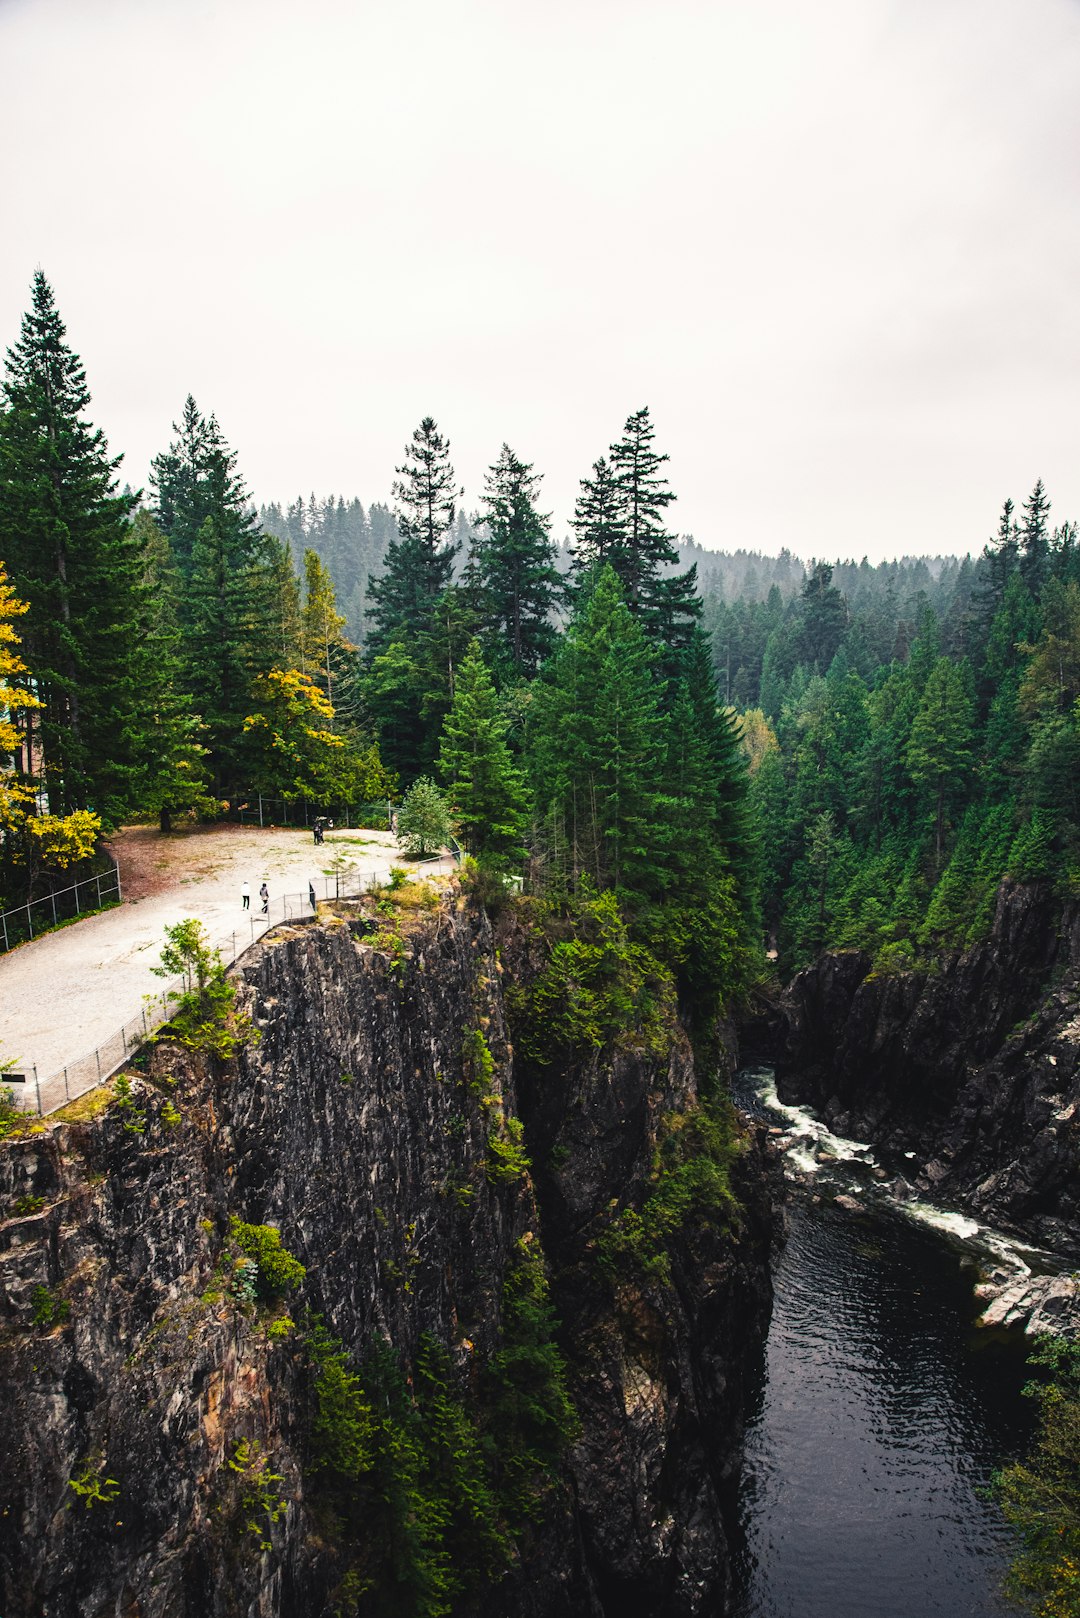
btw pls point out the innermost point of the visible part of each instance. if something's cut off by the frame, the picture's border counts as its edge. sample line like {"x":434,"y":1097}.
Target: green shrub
{"x":1040,"y":1497}
{"x":10,"y":1116}
{"x":598,"y":988}
{"x":690,"y":1180}
{"x":892,"y":959}
{"x":477,"y":1062}
{"x":27,"y":1205}
{"x":258,"y":1503}
{"x":277,"y":1271}
{"x":47,"y":1310}
{"x":507,"y":1159}
{"x":134,"y":1117}
{"x":205,"y":1018}
{"x":427,"y":1494}
{"x":90,"y":1486}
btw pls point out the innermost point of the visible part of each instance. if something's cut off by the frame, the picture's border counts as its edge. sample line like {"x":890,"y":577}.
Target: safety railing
{"x":255,"y":810}
{"x":23,"y":922}
{"x":34,"y":1092}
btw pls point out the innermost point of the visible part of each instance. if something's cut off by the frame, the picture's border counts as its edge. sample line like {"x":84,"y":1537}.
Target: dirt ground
{"x":63,"y":994}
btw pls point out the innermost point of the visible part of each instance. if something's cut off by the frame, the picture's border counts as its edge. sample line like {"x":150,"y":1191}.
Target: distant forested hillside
{"x":914,"y":736}
{"x":705,"y":741}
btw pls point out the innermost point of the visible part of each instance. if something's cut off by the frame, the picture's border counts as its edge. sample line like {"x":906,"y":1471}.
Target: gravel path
{"x":67,"y":992}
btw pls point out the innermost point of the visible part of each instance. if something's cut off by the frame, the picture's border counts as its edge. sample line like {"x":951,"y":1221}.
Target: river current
{"x":882,"y":1408}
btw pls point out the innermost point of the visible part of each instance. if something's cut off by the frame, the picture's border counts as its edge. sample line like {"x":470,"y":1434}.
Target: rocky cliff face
{"x":156,"y":1451}
{"x":975,"y":1068}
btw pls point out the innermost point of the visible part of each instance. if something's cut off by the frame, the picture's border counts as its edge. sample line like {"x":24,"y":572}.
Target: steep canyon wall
{"x":158,"y":1451}
{"x":973,"y":1067}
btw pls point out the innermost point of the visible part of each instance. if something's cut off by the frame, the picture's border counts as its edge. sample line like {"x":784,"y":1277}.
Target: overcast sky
{"x":834,"y":246}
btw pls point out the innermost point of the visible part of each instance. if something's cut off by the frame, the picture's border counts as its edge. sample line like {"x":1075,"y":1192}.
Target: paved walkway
{"x":65,"y":993}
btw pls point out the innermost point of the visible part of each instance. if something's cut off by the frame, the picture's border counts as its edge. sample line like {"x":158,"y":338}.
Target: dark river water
{"x":882,"y":1412}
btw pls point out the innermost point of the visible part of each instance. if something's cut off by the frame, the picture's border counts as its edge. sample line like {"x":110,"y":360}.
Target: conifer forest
{"x":748,"y":752}
{"x":689,"y":779}
{"x":539,"y":810}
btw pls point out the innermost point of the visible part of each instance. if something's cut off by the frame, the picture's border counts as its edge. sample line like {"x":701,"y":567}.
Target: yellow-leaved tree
{"x":293,"y":750}
{"x":29,"y":840}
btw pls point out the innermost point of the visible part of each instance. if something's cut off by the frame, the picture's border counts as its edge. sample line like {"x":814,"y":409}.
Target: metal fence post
{"x":37,"y":1086}
{"x":97,"y":1055}
{"x":67,"y":1091}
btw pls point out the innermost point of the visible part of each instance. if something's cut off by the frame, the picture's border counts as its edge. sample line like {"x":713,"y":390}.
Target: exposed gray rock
{"x":351,"y":1127}
{"x":974,"y":1069}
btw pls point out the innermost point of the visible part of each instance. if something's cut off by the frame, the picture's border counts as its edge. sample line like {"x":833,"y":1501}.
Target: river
{"x":882,"y":1408}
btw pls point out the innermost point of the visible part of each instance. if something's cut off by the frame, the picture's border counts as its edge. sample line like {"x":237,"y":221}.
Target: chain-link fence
{"x":256,"y":810}
{"x":23,"y":922}
{"x":39,"y":1093}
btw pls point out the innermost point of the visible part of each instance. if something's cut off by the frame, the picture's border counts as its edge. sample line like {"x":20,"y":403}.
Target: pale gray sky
{"x":834,"y":246}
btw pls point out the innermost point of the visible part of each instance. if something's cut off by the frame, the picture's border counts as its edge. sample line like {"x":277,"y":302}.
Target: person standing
{"x":264,"y":895}
{"x":245,"y":894}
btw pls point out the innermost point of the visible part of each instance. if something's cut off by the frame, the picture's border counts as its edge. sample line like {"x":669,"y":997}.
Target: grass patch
{"x":88,"y":1106}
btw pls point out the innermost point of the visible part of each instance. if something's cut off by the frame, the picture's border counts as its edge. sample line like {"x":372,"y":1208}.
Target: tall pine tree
{"x":419,"y":621}
{"x":620,"y":520}
{"x":74,"y":558}
{"x":515,"y":574}
{"x":419,"y":562}
{"x":599,"y":747}
{"x":485,"y":787}
{"x":230,"y":599}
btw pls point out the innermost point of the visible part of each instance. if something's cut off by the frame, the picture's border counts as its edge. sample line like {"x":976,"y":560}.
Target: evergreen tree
{"x":1034,"y":536}
{"x":196,"y":478}
{"x":620,"y":521}
{"x":74,"y":559}
{"x":599,"y":522}
{"x":284,"y":594}
{"x":174,"y":762}
{"x":1052,"y":678}
{"x":321,"y":626}
{"x":419,"y":563}
{"x":939,"y":748}
{"x":485,"y":787}
{"x":722,"y":803}
{"x":1001,"y":559}
{"x":423,"y":820}
{"x":823,"y":619}
{"x":229,"y":602}
{"x":599,"y":749}
{"x":419,"y":623}
{"x":231,"y":587}
{"x":516,"y":576}
{"x":180,"y":477}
